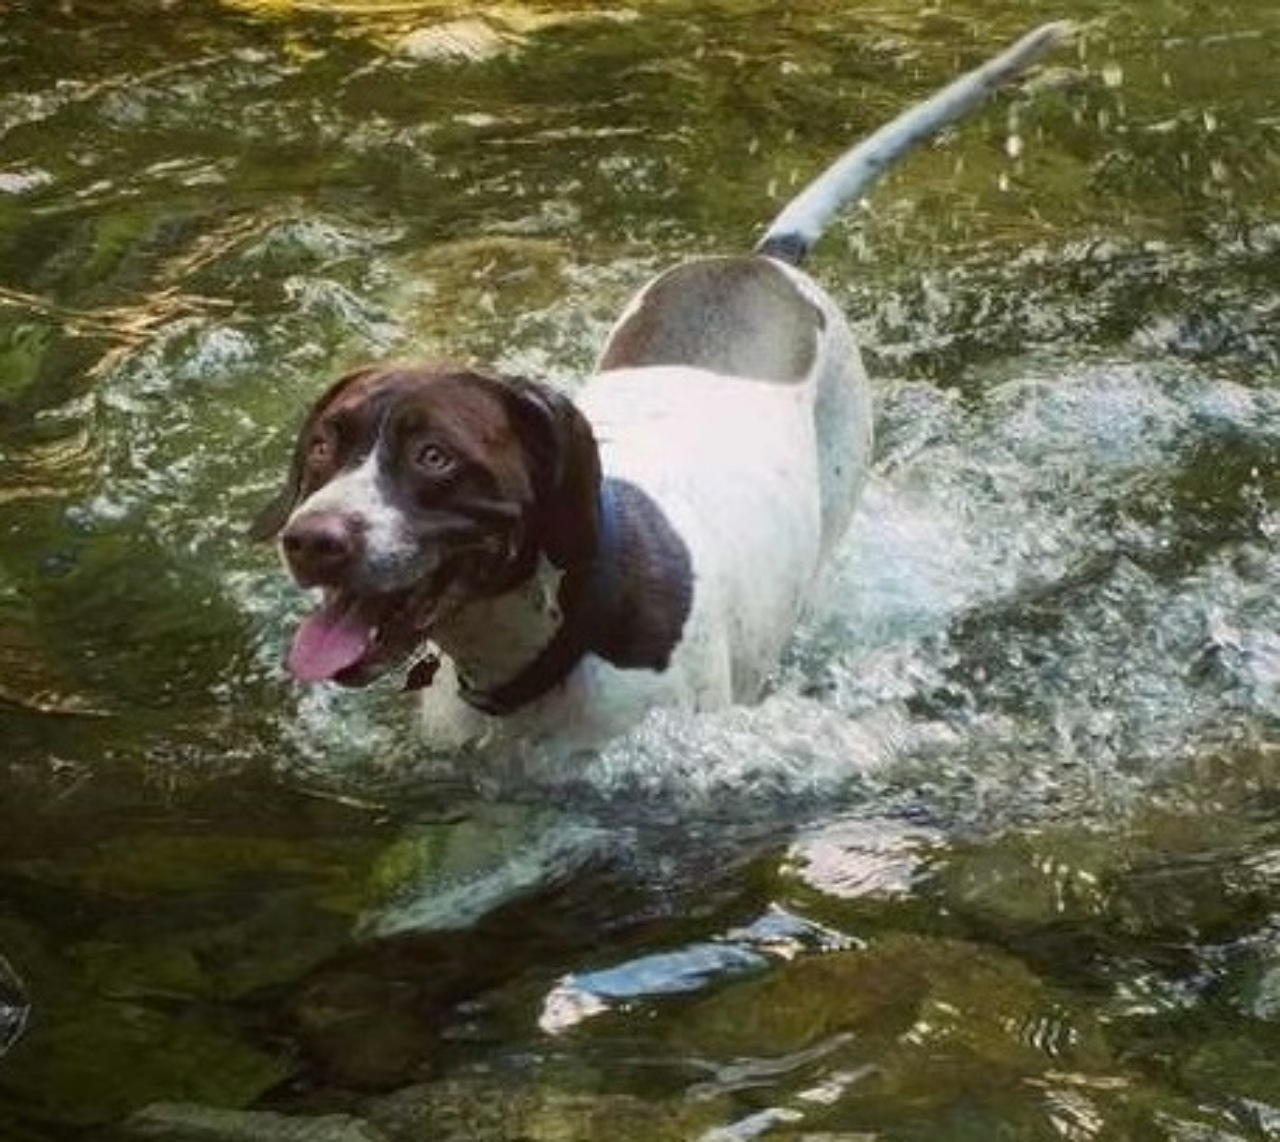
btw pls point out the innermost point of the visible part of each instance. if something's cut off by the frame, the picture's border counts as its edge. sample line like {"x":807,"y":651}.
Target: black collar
{"x":590,"y":599}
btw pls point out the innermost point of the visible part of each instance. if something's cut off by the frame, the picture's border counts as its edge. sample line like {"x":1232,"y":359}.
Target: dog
{"x":552,"y":569}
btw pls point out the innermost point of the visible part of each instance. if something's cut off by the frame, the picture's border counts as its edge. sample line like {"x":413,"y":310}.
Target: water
{"x":998,"y":855}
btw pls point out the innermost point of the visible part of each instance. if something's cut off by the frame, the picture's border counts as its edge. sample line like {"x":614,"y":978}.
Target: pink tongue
{"x":327,"y":642}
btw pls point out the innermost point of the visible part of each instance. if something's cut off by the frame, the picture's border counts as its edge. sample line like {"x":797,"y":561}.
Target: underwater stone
{"x":186,"y":1122}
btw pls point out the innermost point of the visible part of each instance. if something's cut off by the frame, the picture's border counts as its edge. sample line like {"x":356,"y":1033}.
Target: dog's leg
{"x":792,"y":234}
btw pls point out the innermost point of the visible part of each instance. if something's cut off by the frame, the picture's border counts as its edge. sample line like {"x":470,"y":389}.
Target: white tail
{"x":791,"y":235}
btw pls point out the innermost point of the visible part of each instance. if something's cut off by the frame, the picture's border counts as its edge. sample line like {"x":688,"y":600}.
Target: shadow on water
{"x":997,"y":856}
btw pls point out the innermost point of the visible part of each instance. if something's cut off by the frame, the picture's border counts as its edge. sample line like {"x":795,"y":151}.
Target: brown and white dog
{"x":653,"y":543}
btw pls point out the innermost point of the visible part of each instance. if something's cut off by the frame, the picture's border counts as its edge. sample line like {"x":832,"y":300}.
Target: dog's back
{"x":756,"y":318}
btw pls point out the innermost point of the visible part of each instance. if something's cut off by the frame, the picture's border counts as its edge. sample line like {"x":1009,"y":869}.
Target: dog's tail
{"x":793,"y":233}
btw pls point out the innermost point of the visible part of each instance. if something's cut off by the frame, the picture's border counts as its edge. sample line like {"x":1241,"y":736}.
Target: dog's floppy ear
{"x":565,"y":466}
{"x":268,"y":522}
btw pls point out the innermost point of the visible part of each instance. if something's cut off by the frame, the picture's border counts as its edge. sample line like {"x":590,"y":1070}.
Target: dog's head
{"x":416,"y":490}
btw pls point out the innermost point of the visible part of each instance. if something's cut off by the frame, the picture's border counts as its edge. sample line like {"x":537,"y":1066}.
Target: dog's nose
{"x":321,"y":548}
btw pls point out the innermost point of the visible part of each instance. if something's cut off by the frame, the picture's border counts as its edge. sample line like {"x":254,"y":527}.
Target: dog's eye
{"x":320,"y":449}
{"x":434,"y":460}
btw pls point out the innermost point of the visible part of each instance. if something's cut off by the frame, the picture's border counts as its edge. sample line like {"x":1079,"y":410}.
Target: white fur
{"x":491,"y":640}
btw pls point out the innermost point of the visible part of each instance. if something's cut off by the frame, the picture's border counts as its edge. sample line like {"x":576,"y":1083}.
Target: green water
{"x":1000,"y":855}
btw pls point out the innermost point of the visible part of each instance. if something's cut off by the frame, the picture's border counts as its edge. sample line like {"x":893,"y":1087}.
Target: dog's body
{"x":726,"y":447}
{"x":652,"y":545}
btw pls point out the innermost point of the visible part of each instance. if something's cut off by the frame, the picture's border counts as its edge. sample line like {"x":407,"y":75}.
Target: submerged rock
{"x":449,"y":875}
{"x":87,"y":1061}
{"x":1166,"y":875}
{"x":907,"y":1021}
{"x":187,"y":1122}
{"x":139,"y":998}
{"x":451,"y":907}
{"x":478,"y":1107}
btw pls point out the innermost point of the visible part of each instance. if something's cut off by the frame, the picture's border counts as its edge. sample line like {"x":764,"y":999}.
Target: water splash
{"x":1045,"y":602}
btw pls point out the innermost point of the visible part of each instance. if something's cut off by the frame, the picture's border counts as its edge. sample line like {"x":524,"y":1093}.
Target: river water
{"x":999,"y":855}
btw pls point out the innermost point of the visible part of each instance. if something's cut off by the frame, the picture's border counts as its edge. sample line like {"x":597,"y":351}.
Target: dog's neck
{"x":626,"y":604}
{"x":524,"y":643}
{"x":492,"y":640}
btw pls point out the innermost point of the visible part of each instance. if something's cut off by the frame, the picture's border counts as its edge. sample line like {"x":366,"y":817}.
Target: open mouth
{"x":352,"y":639}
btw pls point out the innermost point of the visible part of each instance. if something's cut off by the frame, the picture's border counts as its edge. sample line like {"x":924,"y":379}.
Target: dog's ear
{"x":565,"y":467}
{"x":271,"y":518}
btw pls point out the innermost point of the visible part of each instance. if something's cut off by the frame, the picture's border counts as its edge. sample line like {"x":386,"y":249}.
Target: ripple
{"x":14,"y":1006}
